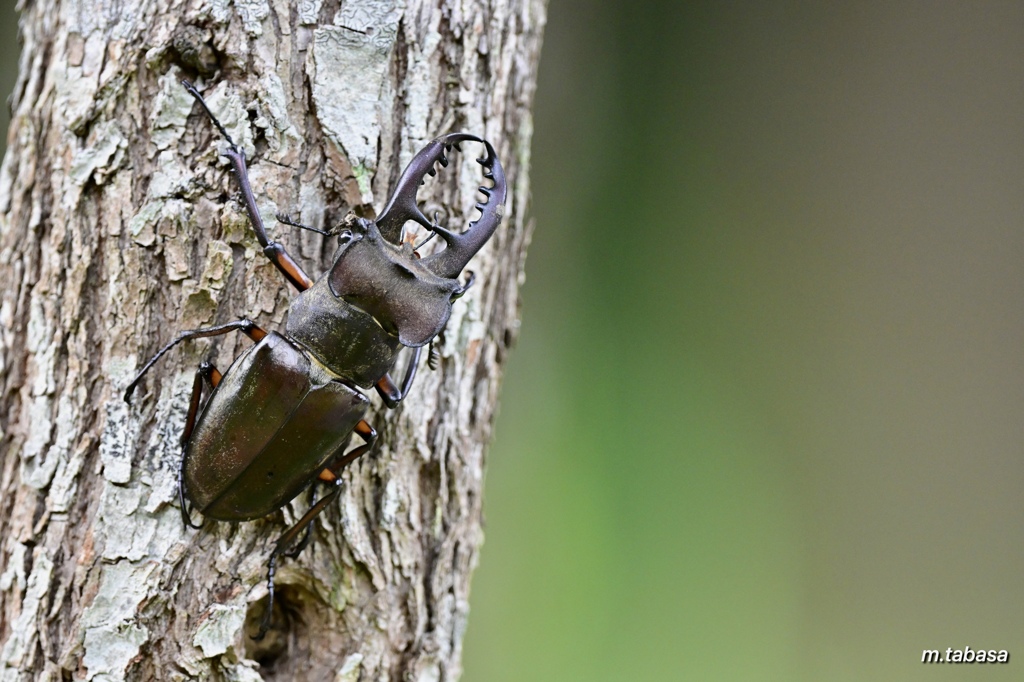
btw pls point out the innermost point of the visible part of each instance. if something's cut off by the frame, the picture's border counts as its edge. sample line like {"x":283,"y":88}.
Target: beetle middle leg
{"x":212,"y":376}
{"x":329,"y":475}
{"x":206,"y":372}
{"x":247,"y":327}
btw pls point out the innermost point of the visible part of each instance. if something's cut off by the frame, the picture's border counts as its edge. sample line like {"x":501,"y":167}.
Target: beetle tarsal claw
{"x":220,"y":127}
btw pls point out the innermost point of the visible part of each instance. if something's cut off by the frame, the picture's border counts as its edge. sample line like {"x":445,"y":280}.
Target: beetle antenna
{"x":431,"y":228}
{"x":425,"y":240}
{"x":287,"y":220}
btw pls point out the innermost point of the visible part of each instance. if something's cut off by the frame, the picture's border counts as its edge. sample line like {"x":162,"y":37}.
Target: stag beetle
{"x":280,"y":418}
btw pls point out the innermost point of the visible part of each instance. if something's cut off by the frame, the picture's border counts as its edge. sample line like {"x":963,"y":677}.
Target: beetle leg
{"x":212,"y":376}
{"x":330,"y":474}
{"x":308,"y":535}
{"x":280,"y":548}
{"x":389,"y":391}
{"x":461,"y":291}
{"x":247,"y":327}
{"x":369,"y":436}
{"x":272,"y":250}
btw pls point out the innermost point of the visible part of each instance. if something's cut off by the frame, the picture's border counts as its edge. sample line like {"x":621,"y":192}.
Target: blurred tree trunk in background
{"x":119,"y":226}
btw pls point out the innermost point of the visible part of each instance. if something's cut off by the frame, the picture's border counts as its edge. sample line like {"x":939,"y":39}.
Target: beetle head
{"x":377,"y":271}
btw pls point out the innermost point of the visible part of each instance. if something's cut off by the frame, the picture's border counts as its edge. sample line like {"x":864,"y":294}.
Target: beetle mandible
{"x":280,"y":418}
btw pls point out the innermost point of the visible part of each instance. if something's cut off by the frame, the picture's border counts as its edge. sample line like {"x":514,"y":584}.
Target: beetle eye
{"x":344,"y":236}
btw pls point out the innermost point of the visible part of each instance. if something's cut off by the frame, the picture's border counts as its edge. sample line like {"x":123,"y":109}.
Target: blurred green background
{"x":765,"y":420}
{"x":766,"y":417}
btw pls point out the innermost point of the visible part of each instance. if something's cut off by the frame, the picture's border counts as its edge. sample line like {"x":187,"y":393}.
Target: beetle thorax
{"x":387,"y":281}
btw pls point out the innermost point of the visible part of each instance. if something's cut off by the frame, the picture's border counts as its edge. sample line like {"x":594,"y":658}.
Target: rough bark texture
{"x":120,"y":225}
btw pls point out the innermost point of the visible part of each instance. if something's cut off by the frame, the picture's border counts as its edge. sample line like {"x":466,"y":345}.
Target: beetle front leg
{"x":277,"y":254}
{"x":330,"y":475}
{"x":389,"y":391}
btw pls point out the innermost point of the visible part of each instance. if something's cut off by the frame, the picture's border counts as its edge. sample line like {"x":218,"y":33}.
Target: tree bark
{"x":120,"y":226}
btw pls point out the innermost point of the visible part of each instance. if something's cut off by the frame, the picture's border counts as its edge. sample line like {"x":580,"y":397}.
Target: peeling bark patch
{"x":141,"y":225}
{"x":113,"y":635}
{"x":170,"y":111}
{"x":280,"y":132}
{"x":252,"y":13}
{"x":36,"y":471}
{"x":115,"y":444}
{"x":349,"y":671}
{"x":18,"y":648}
{"x":219,"y":630}
{"x":129,"y":532}
{"x":348,"y":72}
{"x":99,"y":157}
{"x":309,"y":11}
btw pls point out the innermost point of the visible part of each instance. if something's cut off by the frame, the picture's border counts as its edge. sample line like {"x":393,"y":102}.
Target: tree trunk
{"x":120,"y":226}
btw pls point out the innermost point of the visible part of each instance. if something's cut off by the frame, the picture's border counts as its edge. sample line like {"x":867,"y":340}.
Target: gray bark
{"x":120,"y":225}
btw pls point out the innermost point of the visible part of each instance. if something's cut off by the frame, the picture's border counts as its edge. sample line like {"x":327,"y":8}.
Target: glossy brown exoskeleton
{"x":280,"y":419}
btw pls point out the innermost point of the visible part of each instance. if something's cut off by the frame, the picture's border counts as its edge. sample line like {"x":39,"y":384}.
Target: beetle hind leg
{"x":330,"y":475}
{"x":308,"y":534}
{"x":211,"y":376}
{"x":282,"y":547}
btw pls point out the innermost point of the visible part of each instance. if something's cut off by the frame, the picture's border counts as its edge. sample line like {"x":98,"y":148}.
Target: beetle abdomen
{"x":275,"y":420}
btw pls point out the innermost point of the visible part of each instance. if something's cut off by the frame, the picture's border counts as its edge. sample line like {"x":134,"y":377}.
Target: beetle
{"x":280,"y":419}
